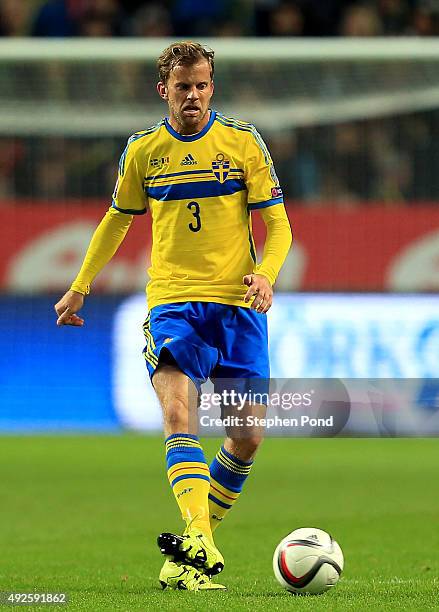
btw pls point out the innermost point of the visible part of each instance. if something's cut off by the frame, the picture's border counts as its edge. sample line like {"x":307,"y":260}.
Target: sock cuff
{"x":229,"y":473}
{"x":175,"y":441}
{"x":182,"y":435}
{"x":233,"y":463}
{"x":183,"y":448}
{"x":235,"y":459}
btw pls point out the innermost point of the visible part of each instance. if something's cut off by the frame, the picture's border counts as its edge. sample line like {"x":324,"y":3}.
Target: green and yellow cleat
{"x":193,"y":548}
{"x":183,"y":577}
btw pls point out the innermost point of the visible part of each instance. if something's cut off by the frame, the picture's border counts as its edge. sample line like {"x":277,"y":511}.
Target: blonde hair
{"x":184,"y":53}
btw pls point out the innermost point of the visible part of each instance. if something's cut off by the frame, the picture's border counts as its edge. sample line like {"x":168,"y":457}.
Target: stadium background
{"x":352,"y":125}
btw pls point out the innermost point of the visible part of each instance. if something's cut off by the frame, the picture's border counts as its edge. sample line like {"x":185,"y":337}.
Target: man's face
{"x":188,"y":93}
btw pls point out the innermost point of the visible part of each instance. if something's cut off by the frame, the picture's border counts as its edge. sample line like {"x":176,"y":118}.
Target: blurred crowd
{"x":391,"y":161}
{"x":192,"y":18}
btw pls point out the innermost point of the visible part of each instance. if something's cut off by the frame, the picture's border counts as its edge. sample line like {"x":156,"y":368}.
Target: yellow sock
{"x":227,"y":477}
{"x":189,"y":477}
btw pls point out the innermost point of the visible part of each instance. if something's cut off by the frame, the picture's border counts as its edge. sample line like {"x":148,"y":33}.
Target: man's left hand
{"x":260,"y":290}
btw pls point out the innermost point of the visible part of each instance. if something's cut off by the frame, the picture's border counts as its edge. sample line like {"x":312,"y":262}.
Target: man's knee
{"x":244,"y":448}
{"x":252,"y":443}
{"x":176,"y":414}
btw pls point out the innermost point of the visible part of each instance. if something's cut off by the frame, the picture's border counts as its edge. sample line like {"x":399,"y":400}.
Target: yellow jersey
{"x":200,"y":190}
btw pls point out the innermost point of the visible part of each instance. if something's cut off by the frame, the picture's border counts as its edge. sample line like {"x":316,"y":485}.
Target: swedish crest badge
{"x":221,"y":167}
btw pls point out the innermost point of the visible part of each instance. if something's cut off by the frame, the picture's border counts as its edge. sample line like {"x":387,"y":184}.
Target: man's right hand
{"x":67,"y":308}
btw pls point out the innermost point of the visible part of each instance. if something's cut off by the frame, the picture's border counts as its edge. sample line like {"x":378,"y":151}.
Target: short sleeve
{"x":260,"y":176}
{"x":129,"y":196}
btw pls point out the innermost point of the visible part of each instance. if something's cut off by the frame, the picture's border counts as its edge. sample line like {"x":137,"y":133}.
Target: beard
{"x":187,"y":121}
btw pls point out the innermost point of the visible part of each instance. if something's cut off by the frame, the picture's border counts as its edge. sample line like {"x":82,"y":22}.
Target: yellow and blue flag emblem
{"x":221,"y":167}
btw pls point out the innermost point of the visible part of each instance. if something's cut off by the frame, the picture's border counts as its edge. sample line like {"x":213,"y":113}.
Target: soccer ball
{"x":308,"y":561}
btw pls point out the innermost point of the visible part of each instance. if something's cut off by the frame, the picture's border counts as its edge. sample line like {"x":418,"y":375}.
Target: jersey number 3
{"x":194,"y":207}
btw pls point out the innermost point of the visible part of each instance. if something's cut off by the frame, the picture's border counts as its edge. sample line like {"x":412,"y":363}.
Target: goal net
{"x":336,"y":113}
{"x":107,"y":88}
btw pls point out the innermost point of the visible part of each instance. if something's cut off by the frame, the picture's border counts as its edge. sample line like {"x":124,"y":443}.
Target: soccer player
{"x":200,"y":174}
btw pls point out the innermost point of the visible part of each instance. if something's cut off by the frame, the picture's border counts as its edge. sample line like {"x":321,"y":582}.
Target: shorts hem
{"x":152,"y":371}
{"x":179,"y":300}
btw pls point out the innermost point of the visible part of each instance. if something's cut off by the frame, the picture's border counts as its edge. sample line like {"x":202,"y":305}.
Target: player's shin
{"x":188,"y":475}
{"x":227,"y":476}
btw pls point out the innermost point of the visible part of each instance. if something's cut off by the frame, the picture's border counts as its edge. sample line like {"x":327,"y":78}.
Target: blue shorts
{"x":207,"y":339}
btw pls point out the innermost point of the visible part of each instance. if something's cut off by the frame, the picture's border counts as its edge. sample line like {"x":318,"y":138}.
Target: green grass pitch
{"x":81,"y":515}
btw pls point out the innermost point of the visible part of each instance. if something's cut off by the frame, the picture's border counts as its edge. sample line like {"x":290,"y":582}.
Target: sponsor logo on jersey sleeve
{"x":276,"y":192}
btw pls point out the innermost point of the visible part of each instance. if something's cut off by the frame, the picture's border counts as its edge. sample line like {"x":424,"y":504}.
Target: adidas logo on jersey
{"x":189,"y":160}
